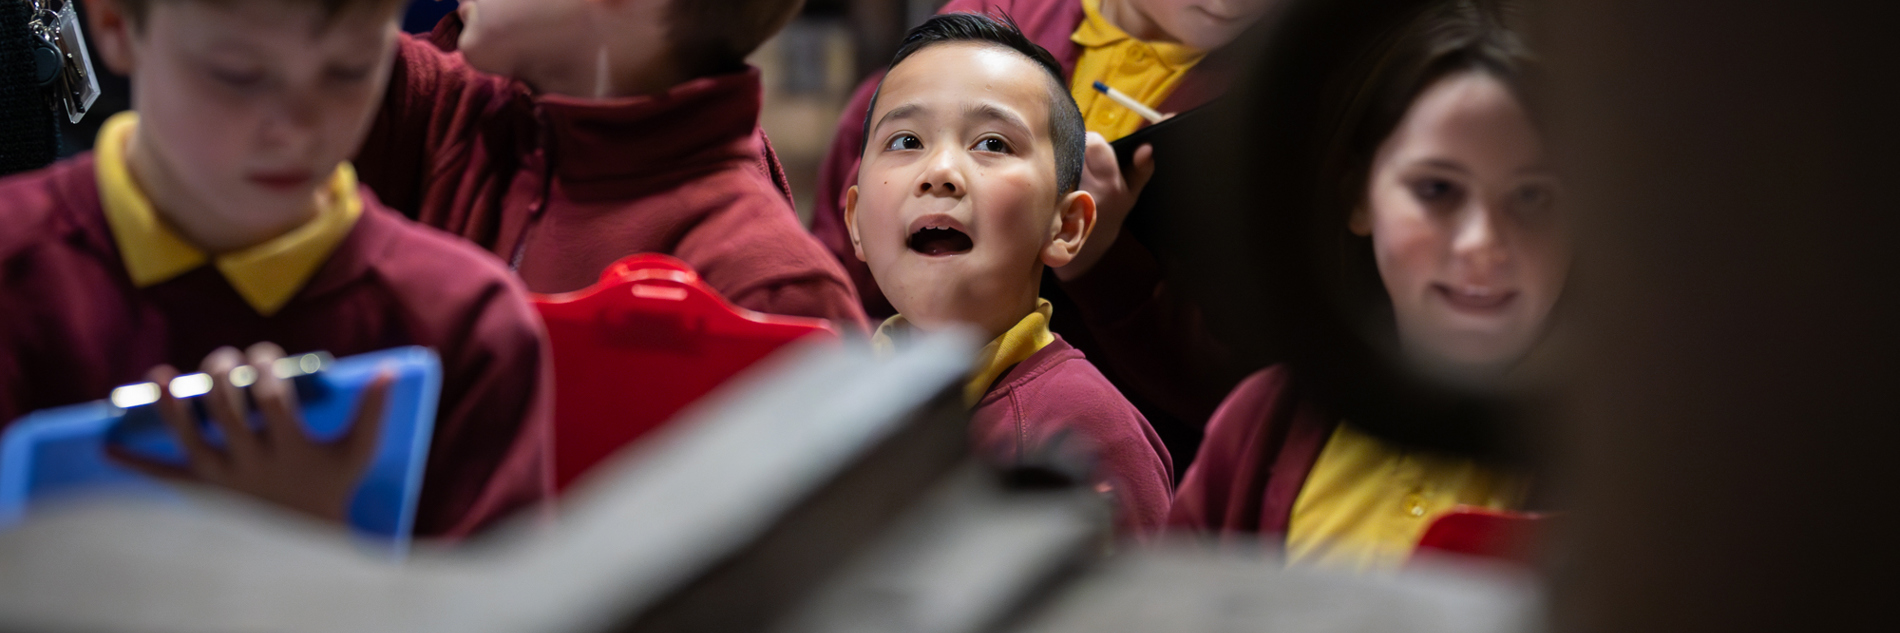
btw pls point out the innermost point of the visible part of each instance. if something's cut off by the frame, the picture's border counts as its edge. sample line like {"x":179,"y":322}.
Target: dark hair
{"x":711,"y":37}
{"x":1066,"y":129}
{"x":330,"y":9}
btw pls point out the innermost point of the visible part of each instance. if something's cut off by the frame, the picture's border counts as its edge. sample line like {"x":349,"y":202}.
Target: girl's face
{"x":1461,"y":211}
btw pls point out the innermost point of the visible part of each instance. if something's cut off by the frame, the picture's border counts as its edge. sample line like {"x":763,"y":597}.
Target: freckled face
{"x":1460,"y":208}
{"x":956,"y":195}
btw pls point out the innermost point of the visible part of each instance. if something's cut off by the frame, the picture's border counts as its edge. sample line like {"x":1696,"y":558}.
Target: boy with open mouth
{"x":966,"y":190}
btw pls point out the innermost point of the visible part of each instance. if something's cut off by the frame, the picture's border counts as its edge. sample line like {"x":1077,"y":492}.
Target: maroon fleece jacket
{"x":562,"y":187}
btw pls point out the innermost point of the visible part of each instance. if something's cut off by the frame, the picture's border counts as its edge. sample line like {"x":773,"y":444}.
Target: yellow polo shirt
{"x":1366,"y":502}
{"x":266,"y":275}
{"x":1023,"y":340}
{"x":1147,"y":71}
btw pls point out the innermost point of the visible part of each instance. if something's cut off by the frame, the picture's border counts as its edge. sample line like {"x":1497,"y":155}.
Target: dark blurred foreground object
{"x":1731,"y":170}
{"x":29,"y":128}
{"x":827,"y":492}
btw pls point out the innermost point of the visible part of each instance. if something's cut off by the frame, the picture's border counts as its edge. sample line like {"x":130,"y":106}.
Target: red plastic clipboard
{"x":647,"y":340}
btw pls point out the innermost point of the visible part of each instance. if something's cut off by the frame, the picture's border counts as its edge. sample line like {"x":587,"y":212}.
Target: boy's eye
{"x":992,"y":144}
{"x":904,"y":141}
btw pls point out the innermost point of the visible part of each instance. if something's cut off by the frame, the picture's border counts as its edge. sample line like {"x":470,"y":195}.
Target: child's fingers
{"x":366,"y":433}
{"x":225,"y":405}
{"x":203,"y":459}
{"x":1098,"y":157}
{"x":149,"y":467}
{"x":1143,"y":169}
{"x":276,"y":400}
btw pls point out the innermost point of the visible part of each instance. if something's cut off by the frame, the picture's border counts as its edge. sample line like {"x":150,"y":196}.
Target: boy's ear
{"x":1360,"y":221}
{"x":1069,"y":229}
{"x":851,"y":220}
{"x":110,"y":29}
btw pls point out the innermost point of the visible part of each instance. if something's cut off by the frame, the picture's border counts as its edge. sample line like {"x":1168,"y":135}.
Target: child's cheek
{"x":1012,"y":195}
{"x":1408,"y":250}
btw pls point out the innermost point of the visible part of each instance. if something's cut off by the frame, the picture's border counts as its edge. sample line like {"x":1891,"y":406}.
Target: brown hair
{"x":712,"y":37}
{"x":136,"y":9}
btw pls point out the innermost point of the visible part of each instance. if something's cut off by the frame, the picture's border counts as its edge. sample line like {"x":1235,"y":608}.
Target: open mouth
{"x":939,"y":238}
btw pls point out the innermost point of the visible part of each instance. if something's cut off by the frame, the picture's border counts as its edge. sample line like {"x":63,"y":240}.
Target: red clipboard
{"x":647,"y":340}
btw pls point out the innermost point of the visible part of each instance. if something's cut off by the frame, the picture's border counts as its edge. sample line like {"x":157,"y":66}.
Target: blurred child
{"x":222,"y":214}
{"x":1451,"y":202}
{"x":567,"y":134}
{"x":968,"y":190}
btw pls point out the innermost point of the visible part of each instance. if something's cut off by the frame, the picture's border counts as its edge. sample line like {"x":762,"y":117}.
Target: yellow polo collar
{"x":266,"y":275}
{"x":1023,"y":340}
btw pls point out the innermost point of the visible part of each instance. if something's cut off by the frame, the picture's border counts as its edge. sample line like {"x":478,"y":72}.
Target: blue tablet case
{"x":60,"y":453}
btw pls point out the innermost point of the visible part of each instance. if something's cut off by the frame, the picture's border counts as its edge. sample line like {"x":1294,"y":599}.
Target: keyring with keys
{"x":64,"y":67}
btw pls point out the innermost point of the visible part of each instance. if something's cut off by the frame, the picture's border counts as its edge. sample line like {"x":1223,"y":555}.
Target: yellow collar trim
{"x":266,"y":275}
{"x":1096,"y":31}
{"x":1023,"y":340}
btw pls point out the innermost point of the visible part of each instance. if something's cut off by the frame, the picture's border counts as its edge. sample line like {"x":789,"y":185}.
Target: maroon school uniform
{"x":1261,"y":445}
{"x":564,"y":187}
{"x":1055,"y":389}
{"x":1048,"y":23}
{"x":73,"y":326}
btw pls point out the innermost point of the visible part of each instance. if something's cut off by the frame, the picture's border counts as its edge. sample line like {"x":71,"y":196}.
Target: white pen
{"x":1129,"y":102}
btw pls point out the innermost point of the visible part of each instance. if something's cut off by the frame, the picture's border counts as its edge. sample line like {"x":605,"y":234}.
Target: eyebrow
{"x":1446,"y":164}
{"x":997,"y":113}
{"x":900,"y":112}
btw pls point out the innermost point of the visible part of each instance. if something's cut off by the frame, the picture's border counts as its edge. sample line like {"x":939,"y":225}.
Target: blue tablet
{"x":58,"y":453}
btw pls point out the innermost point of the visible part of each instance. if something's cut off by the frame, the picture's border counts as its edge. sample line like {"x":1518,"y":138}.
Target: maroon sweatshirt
{"x":564,"y":187}
{"x":1261,"y":444}
{"x":73,"y":326}
{"x":1057,"y":389}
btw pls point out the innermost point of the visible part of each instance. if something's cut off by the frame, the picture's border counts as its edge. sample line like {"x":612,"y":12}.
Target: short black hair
{"x":1066,"y":129}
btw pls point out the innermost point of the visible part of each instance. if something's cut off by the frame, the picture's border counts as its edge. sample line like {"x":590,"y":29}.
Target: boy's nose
{"x":943,"y":175}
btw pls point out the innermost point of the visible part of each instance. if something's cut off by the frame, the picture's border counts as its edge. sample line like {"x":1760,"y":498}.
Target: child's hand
{"x":1114,"y":192}
{"x":278,"y":463}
